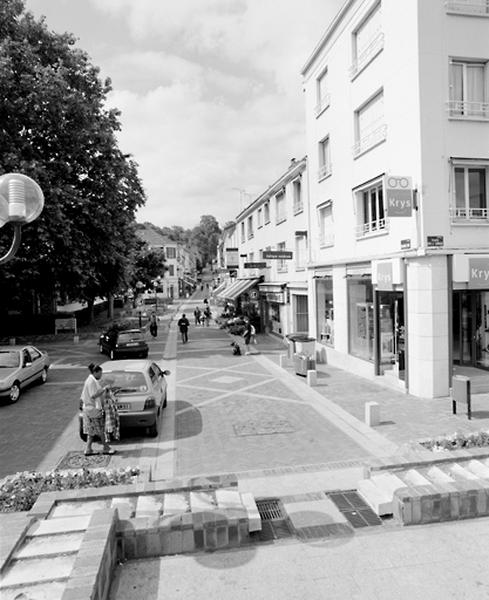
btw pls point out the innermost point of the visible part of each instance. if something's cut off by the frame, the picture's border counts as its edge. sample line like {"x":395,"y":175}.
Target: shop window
{"x":361,"y":318}
{"x":470,"y":192}
{"x":370,"y":127}
{"x":301,"y":314}
{"x":280,"y":207}
{"x":468,"y":90}
{"x":367,"y":42}
{"x":325,"y":317}
{"x":300,"y":252}
{"x":370,"y":210}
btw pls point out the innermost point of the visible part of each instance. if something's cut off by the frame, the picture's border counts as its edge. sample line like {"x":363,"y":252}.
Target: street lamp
{"x":139,"y":286}
{"x":21,"y":202}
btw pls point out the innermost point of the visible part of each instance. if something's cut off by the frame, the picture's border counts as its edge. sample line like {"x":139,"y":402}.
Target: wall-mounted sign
{"x":254,"y":294}
{"x":277,"y":254}
{"x":405,"y":244}
{"x":434,"y":241}
{"x":384,"y":276}
{"x":399,"y":193}
{"x":232,"y":258}
{"x":479,"y":273}
{"x":243,"y":256}
{"x":233,"y":273}
{"x":278,"y":297}
{"x":255,"y":265}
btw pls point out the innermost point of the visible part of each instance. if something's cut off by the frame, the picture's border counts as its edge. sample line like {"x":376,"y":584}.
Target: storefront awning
{"x":216,"y":291}
{"x":240,"y":286}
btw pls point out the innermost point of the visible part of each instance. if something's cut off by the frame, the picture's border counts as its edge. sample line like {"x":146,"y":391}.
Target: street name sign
{"x":277,"y":254}
{"x":255,"y":265}
{"x":434,"y":241}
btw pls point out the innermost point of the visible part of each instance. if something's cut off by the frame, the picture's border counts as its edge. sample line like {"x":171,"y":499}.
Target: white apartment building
{"x":397,"y":109}
{"x":272,"y":288}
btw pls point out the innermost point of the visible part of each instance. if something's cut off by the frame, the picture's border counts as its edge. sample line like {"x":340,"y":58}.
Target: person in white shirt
{"x":93,"y":415}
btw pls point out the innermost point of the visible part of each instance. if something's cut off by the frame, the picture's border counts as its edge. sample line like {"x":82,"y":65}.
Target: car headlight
{"x":150,"y":403}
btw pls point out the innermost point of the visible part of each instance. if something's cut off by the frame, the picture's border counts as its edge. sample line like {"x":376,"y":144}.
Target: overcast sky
{"x":210,"y":92}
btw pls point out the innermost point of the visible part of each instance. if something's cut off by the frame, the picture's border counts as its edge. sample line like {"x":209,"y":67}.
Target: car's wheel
{"x":14,"y":393}
{"x":165,"y":400}
{"x":83,"y":436}
{"x":44,"y":375}
{"x":112,"y":355}
{"x":153,"y":430}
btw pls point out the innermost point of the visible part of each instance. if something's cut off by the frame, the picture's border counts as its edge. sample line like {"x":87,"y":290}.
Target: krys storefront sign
{"x":399,"y":192}
{"x":479,"y":273}
{"x":385,"y":277}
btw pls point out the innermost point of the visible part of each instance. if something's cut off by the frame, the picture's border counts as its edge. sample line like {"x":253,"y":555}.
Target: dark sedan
{"x":118,"y":343}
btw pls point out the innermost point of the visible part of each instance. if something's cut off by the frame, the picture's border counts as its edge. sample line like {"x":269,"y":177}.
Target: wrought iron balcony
{"x":474,"y":7}
{"x":373,"y":227}
{"x":324,"y":171}
{"x":469,"y":214}
{"x":468,"y":110}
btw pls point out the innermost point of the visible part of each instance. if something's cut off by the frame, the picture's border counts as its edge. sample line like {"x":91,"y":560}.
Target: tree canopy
{"x":205,"y":237}
{"x":55,"y":128}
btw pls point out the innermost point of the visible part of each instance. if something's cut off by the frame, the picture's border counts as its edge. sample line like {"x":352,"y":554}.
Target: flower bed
{"x":457,"y":441}
{"x":20,"y":491}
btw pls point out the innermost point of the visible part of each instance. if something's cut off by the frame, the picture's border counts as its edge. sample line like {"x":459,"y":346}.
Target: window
{"x":171,"y":270}
{"x":250,"y":226}
{"x":368,"y":41}
{"x":370,"y":128}
{"x":282,"y":263}
{"x":326,"y":230}
{"x":322,"y":94}
{"x":325,"y":321}
{"x":297,"y":189}
{"x":468,"y":7}
{"x":361,"y":318}
{"x":470,"y":191}
{"x":468,"y":90}
{"x":301,"y":314}
{"x":171,"y":252}
{"x":280,"y":207}
{"x":251,"y":256}
{"x":266,"y":212}
{"x":260,"y":217}
{"x":324,"y":159}
{"x":242,"y":231}
{"x":370,"y":210}
{"x":300,"y":252}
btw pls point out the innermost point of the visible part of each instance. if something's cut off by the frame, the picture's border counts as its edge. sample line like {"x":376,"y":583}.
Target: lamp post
{"x":156,"y":284}
{"x":21,"y":202}
{"x":139,"y":286}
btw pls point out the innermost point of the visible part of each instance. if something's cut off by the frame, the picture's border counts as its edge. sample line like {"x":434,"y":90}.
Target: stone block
{"x":414,"y":477}
{"x":435,"y":475}
{"x":233,"y":537}
{"x":153,"y":543}
{"x":202,"y":501}
{"x":478,"y":468}
{"x":462,"y":473}
{"x":210,"y":538}
{"x":175,"y":503}
{"x":188,"y":540}
{"x":372,"y":414}
{"x":148,"y":506}
{"x":311,"y":377}
{"x":402,"y":506}
{"x":378,"y":500}
{"x":228,"y":499}
{"x":199,"y":539}
{"x":222,"y":536}
{"x":61,"y":525}
{"x":254,"y":519}
{"x":173,"y":543}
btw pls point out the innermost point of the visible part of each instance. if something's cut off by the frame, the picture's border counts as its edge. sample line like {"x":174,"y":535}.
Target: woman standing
{"x":93,"y":415}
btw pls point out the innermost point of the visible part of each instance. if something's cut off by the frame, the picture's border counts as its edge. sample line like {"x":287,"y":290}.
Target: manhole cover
{"x":269,"y":509}
{"x":77,"y":460}
{"x":357,"y":512}
{"x":263,"y":427}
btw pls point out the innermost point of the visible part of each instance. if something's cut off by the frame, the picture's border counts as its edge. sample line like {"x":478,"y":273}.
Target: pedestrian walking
{"x":93,"y":414}
{"x":197,"y":315}
{"x":183,"y":325}
{"x":153,"y":325}
{"x":207,"y":316}
{"x":249,"y":335}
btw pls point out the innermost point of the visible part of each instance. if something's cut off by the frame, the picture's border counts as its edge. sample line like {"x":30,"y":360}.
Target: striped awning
{"x":240,"y":286}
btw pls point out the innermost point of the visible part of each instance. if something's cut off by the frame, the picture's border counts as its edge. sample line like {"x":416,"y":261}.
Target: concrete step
{"x":478,"y":468}
{"x":66,"y":525}
{"x":462,"y":473}
{"x":254,"y":519}
{"x":437,"y":475}
{"x":379,"y":500}
{"x":45,"y":545}
{"x":414,"y":477}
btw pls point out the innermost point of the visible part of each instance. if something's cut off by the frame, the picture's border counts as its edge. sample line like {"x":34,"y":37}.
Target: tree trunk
{"x":110,"y":306}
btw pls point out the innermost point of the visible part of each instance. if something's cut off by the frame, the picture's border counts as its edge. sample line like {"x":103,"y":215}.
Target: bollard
{"x":76,"y":339}
{"x":282,"y":360}
{"x":372,"y":414}
{"x":312,"y":377}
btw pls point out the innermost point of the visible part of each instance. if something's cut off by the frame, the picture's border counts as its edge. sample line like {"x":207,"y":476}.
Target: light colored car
{"x":21,"y":366}
{"x":140,"y":389}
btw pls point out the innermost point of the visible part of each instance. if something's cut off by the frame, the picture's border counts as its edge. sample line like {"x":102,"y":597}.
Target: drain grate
{"x":270,"y":510}
{"x":357,"y":512}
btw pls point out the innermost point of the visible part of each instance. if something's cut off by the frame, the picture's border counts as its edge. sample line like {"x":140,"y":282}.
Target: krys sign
{"x":479,"y":273}
{"x":399,"y":192}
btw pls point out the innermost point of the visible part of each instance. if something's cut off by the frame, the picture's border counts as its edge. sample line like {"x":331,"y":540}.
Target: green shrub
{"x":19,"y":492}
{"x":456,"y":441}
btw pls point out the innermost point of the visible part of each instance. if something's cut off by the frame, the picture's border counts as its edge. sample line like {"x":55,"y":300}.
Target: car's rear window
{"x":130,"y":336}
{"x":126,"y":381}
{"x":9,"y":359}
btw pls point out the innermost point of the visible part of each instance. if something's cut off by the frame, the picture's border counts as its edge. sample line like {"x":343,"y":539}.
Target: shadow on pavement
{"x":188,"y":420}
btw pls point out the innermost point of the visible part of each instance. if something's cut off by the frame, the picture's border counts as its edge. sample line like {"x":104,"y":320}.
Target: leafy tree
{"x":205,"y":237}
{"x":56,"y":129}
{"x":148,"y":264}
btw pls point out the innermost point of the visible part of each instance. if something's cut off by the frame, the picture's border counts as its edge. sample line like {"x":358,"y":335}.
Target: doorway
{"x":471,"y":328}
{"x":391,"y":343}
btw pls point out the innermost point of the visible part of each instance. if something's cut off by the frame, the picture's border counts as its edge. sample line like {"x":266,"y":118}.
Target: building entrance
{"x":391,"y":343}
{"x":471,"y":328}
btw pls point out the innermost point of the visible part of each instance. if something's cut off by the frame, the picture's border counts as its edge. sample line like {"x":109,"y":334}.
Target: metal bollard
{"x":312,"y":377}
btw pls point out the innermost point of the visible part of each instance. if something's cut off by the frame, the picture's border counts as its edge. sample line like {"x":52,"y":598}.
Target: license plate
{"x":123,"y":406}
{"x":132,"y":344}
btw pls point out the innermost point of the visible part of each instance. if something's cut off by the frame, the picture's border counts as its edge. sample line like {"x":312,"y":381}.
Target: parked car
{"x":140,"y":389}
{"x":129,"y":342}
{"x":21,"y":366}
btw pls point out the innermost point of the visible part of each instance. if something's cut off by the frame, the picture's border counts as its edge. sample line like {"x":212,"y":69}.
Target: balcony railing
{"x":323,"y":103}
{"x":370,"y":140}
{"x":381,"y":225}
{"x":324,"y":171}
{"x":474,"y":7}
{"x":469,"y":214}
{"x":362,"y":60}
{"x":468,"y":110}
{"x":298,"y":207}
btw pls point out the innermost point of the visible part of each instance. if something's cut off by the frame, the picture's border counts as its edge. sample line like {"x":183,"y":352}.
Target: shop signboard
{"x":232,"y":258}
{"x":255,"y":265}
{"x":277,"y":254}
{"x":384,"y":276}
{"x":278,"y":297}
{"x":405,"y":244}
{"x":434,"y":241}
{"x":399,"y":192}
{"x":479,"y":273}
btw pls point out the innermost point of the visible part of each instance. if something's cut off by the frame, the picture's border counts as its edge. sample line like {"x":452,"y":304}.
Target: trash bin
{"x":301,"y":343}
{"x":303,"y":363}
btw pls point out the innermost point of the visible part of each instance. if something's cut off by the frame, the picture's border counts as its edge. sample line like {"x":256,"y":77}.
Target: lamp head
{"x":21,"y":199}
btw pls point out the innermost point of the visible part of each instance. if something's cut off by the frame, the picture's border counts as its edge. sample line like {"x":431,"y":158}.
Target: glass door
{"x":471,"y":328}
{"x":481,"y":333}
